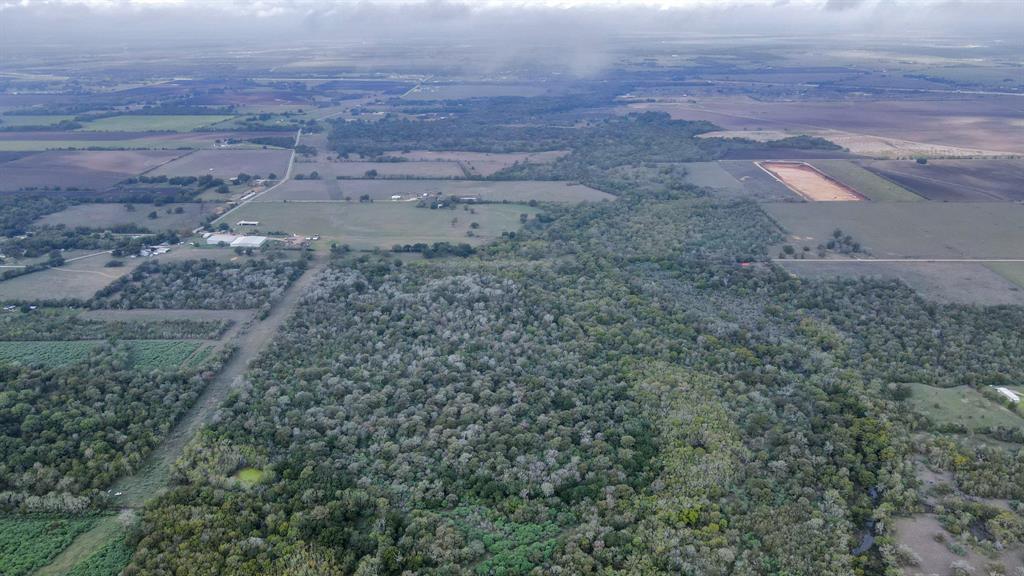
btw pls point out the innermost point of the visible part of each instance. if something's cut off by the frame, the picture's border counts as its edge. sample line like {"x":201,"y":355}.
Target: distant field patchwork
{"x":228,"y":163}
{"x":110,"y":215}
{"x":81,"y":169}
{"x":153,"y":123}
{"x":412,"y":169}
{"x":484,"y":191}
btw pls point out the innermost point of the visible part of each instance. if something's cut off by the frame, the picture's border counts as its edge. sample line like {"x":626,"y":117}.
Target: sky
{"x":95,"y":22}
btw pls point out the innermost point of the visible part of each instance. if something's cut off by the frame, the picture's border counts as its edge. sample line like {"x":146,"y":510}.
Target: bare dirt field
{"x":947,"y":282}
{"x":110,"y":215}
{"x":82,"y":169}
{"x":956,"y":180}
{"x":484,"y":191}
{"x":974,"y":125}
{"x":810,"y":183}
{"x":439,"y":169}
{"x":909,"y":229}
{"x":228,"y":163}
{"x":482,"y":163}
{"x":918,"y":532}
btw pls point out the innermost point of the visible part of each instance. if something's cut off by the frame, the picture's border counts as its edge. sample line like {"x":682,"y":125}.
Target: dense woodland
{"x":201,"y":284}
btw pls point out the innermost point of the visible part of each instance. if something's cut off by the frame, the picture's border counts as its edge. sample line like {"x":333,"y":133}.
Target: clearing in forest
{"x":809,"y":182}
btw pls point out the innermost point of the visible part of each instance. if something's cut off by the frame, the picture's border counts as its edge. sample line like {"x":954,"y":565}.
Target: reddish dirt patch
{"x":810,"y":183}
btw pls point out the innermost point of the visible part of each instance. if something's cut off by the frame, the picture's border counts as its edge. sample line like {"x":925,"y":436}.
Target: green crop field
{"x":961,"y":405}
{"x":17,"y":121}
{"x":867,"y":183}
{"x":174,"y":123}
{"x":26,"y":543}
{"x":1012,"y":271}
{"x":383,"y":224}
{"x":145,"y":354}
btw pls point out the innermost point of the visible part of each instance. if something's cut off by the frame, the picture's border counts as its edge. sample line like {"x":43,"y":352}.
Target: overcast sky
{"x":38,"y":22}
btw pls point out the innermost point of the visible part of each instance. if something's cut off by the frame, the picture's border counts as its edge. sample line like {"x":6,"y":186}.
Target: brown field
{"x":482,"y":163}
{"x":383,"y":190}
{"x":228,"y":163}
{"x":918,"y":533}
{"x":956,"y":180}
{"x":82,"y":169}
{"x":964,"y":126}
{"x":810,"y":183}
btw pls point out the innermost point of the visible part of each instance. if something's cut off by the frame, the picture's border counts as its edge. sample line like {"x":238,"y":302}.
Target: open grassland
{"x":27,"y":543}
{"x":484,"y":191}
{"x":81,"y":169}
{"x":910,"y":229}
{"x":111,"y":215}
{"x":867,"y":183}
{"x":963,"y":406}
{"x":462,"y":91}
{"x":481,"y":163}
{"x":1012,"y":271}
{"x":757,"y":184}
{"x":384,"y":224}
{"x":145,"y":354}
{"x":808,"y":182}
{"x":79,"y":279}
{"x":957,"y":180}
{"x":712,"y":175}
{"x":229,"y":163}
{"x":22,"y":141}
{"x":154,"y":123}
{"x":412,"y":169}
{"x":17,"y":121}
{"x":953,"y":282}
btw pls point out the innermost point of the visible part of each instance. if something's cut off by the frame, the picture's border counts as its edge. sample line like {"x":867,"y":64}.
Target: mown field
{"x":383,"y":224}
{"x":961,"y":405}
{"x":154,"y":123}
{"x":19,"y":120}
{"x":144,"y":354}
{"x":79,"y":279}
{"x":27,"y":543}
{"x":1012,"y":271}
{"x":440,"y":169}
{"x":83,"y":169}
{"x":228,"y":163}
{"x":101,"y":551}
{"x":382,"y":190}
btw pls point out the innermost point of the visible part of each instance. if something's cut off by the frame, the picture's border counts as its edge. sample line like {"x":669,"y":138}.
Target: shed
{"x":249,"y":241}
{"x":214,"y":239}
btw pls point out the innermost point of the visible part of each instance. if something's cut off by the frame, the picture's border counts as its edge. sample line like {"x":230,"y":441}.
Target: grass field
{"x":86,"y":169}
{"x":229,"y":163}
{"x":383,"y":224}
{"x":909,"y":229}
{"x":871,"y":185}
{"x":26,"y":543}
{"x":961,"y":405}
{"x":79,"y":279}
{"x":1012,"y":271}
{"x":440,"y":169}
{"x":99,"y":552}
{"x":712,"y":175}
{"x":145,"y":354}
{"x":109,"y":215}
{"x":382,"y":190}
{"x":249,"y":476}
{"x":153,"y":123}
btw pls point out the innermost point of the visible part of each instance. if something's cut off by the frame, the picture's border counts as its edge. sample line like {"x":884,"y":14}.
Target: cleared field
{"x":109,"y":215}
{"x":438,"y":169}
{"x":145,"y":354}
{"x":26,"y":543}
{"x":919,"y":532}
{"x":948,"y":282}
{"x":81,"y":169}
{"x":810,"y":183}
{"x":17,"y":141}
{"x":909,"y":229}
{"x":1012,"y":271}
{"x":961,"y":405}
{"x":154,"y":123}
{"x":481,"y":163}
{"x":228,"y":163}
{"x":461,"y":91}
{"x":384,"y":224}
{"x":864,"y":182}
{"x":758,"y":184}
{"x":965,"y":125}
{"x":383,"y":190}
{"x":101,"y":551}
{"x":957,"y":180}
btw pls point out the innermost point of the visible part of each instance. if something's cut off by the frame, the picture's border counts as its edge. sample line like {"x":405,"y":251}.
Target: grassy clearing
{"x":26,"y":543}
{"x":110,"y":215}
{"x":249,"y":476}
{"x":1012,"y":271}
{"x":99,"y":552}
{"x":174,"y":123}
{"x":145,"y":354}
{"x":712,"y":175}
{"x":871,"y":185}
{"x":962,"y":405}
{"x":383,"y":224}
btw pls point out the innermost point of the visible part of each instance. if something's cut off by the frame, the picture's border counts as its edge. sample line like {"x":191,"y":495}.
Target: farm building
{"x":249,"y":241}
{"x":214,"y":239}
{"x":1008,"y":394}
{"x":247,"y":223}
